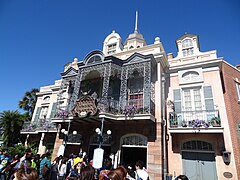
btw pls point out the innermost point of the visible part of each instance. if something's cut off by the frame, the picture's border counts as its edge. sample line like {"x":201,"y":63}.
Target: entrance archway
{"x":133,"y":148}
{"x":198,"y":159}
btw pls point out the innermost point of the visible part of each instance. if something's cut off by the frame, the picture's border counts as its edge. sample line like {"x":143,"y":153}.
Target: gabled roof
{"x":70,"y":72}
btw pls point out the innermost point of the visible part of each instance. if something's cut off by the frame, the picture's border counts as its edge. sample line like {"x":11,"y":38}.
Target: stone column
{"x":41,"y":147}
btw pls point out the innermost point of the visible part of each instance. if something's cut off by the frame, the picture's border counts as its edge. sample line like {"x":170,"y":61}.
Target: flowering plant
{"x":30,"y":127}
{"x":62,"y":113}
{"x":198,"y":123}
{"x":129,"y":110}
{"x":46,"y":125}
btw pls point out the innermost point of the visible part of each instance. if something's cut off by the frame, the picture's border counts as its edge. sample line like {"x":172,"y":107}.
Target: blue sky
{"x":38,"y":37}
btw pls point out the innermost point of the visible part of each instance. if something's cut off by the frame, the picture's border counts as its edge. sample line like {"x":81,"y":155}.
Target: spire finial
{"x":136,"y":23}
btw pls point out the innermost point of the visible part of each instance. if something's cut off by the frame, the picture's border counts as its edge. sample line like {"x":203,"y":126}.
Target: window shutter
{"x":54,"y":108}
{"x":177,"y":100}
{"x":208,"y":96}
{"x":37,"y":114}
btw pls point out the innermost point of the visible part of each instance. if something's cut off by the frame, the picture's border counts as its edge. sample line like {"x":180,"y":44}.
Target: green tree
{"x":11,"y":122}
{"x":28,"y":103}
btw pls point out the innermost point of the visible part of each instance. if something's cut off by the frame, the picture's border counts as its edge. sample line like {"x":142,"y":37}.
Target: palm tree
{"x":11,"y":122}
{"x":28,"y":102}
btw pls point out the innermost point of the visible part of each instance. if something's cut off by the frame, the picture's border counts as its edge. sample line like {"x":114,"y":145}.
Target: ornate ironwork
{"x":74,"y":138}
{"x":147,"y":85}
{"x":137,"y":140}
{"x":74,"y":96}
{"x":106,"y":70}
{"x":201,"y":118}
{"x":123,"y":88}
{"x":41,"y":124}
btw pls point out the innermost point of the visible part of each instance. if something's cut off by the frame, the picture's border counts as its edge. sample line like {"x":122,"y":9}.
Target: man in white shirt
{"x":140,"y":173}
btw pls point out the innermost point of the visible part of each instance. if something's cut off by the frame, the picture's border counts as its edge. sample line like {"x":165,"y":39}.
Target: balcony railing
{"x":41,"y":124}
{"x":203,"y":118}
{"x":111,"y":105}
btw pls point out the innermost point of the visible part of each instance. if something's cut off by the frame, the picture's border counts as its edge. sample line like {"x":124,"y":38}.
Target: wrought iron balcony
{"x":195,"y":119}
{"x":134,"y":106}
{"x":40,"y":125}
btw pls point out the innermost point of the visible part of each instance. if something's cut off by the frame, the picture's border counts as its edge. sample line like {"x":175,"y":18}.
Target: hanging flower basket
{"x":198,"y":124}
{"x":62,"y":114}
{"x":129,"y":110}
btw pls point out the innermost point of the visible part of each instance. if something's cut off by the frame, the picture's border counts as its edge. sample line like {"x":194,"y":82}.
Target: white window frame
{"x":111,"y":48}
{"x":192,"y":97}
{"x":44,"y":111}
{"x":187,"y":47}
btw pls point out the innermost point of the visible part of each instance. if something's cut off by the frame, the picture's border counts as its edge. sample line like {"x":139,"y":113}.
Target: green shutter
{"x":177,"y":100}
{"x":208,"y":96}
{"x":37,"y":114}
{"x":53,"y":112}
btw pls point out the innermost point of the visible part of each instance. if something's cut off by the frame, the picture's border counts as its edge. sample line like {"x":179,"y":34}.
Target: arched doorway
{"x":198,"y":159}
{"x":133,"y":148}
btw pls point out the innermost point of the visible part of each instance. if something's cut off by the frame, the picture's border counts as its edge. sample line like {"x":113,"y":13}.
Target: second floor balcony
{"x":41,"y":125}
{"x":203,"y":119}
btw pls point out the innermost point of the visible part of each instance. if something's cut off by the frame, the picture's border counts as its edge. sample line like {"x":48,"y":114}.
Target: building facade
{"x":137,"y":103}
{"x":202,"y":132}
{"x":117,"y":89}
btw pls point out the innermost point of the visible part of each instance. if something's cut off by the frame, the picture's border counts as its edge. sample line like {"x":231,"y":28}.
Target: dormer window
{"x":187,"y":47}
{"x":112,"y":48}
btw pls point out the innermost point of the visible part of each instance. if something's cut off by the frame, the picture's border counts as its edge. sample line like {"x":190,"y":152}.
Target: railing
{"x":112,"y":105}
{"x":41,"y":124}
{"x":203,"y":118}
{"x":74,"y":138}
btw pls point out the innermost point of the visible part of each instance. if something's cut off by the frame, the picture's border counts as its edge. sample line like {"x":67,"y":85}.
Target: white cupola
{"x":134,"y":40}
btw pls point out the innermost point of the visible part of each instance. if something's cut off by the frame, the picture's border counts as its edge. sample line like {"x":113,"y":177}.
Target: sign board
{"x":98,"y":158}
{"x":61,"y":150}
{"x":84,"y":105}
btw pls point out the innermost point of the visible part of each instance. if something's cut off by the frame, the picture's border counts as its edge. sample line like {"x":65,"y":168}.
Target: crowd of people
{"x":75,"y":167}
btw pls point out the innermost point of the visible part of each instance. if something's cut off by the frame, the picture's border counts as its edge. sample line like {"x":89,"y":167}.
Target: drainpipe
{"x":164,"y":128}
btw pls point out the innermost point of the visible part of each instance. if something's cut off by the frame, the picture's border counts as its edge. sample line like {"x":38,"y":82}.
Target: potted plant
{"x":216,"y":121}
{"x":184,"y":124}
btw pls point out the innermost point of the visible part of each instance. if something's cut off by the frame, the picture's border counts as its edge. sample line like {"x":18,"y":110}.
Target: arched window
{"x":94,"y":59}
{"x":197,"y":146}
{"x":134,"y":140}
{"x":46,"y":99}
{"x":191,"y":75}
{"x":187,"y":43}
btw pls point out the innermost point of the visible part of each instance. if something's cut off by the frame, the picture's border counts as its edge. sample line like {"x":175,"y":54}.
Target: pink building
{"x":202,"y":128}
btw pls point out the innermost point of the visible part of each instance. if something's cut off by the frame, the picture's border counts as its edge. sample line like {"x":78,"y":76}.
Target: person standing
{"x":45,"y":162}
{"x":5,"y":161}
{"x":62,"y":169}
{"x":54,"y":169}
{"x":140,"y":172}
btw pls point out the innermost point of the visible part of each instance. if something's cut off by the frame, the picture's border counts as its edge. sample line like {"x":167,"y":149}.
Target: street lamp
{"x":102,"y":137}
{"x":65,"y":136}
